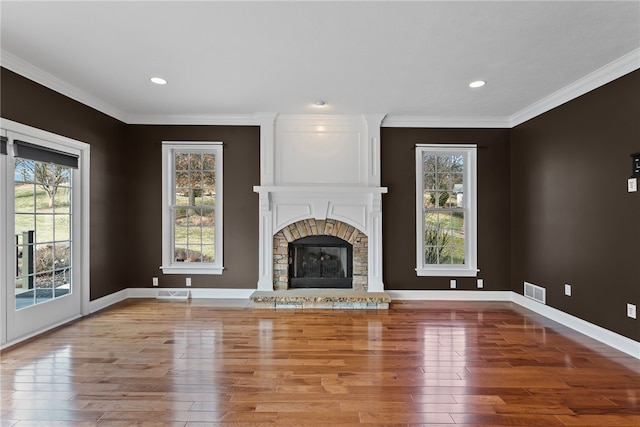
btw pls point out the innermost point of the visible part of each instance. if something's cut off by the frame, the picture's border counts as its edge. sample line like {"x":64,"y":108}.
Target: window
{"x":446,"y":210}
{"x":192,"y":208}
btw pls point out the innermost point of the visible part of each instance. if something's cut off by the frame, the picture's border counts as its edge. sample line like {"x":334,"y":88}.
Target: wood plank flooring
{"x":205,"y":363}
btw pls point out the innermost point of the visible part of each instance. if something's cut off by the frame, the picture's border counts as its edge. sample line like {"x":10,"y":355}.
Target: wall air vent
{"x":173,"y":294}
{"x":536,"y":293}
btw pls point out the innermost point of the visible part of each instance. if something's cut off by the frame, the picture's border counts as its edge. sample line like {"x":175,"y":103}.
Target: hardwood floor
{"x":204,"y":363}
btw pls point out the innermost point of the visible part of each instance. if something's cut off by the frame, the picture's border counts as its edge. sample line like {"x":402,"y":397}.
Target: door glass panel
{"x":42,"y":232}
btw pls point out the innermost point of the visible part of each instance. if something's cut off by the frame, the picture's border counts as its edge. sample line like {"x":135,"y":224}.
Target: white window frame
{"x":470,"y":268}
{"x":169,"y":266}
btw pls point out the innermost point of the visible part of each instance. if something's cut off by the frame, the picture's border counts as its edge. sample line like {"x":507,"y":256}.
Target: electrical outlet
{"x":188,"y":281}
{"x":155,"y":281}
{"x":567,"y":289}
{"x":480,"y":283}
{"x":452,"y":283}
{"x":631,"y":311}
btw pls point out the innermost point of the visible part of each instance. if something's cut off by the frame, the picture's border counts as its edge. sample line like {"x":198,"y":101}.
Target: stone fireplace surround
{"x":311,"y":227}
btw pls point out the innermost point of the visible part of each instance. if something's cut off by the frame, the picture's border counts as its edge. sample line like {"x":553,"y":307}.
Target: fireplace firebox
{"x":320,"y":262}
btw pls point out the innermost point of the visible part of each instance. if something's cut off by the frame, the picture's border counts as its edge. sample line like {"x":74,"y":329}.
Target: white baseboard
{"x":617,"y":341}
{"x":453,"y":295}
{"x":38,"y":332}
{"x":106,"y":301}
{"x":214,"y":293}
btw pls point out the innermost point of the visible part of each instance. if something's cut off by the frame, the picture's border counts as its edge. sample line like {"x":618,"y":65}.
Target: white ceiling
{"x":411,"y":60}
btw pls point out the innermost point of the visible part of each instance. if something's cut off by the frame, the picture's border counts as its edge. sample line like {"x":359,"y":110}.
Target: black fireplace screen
{"x":320,"y":262}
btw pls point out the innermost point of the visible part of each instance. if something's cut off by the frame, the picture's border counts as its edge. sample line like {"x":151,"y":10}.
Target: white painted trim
{"x":470,"y":209}
{"x":25,"y":69}
{"x":169,"y":266}
{"x":195,"y":119}
{"x":221,"y":293}
{"x":445,"y":295}
{"x":198,"y":293}
{"x":444,"y":122}
{"x":617,"y":341}
{"x":5,"y":244}
{"x":81,"y":220}
{"x":594,"y":80}
{"x":38,"y":332}
{"x":108,"y":300}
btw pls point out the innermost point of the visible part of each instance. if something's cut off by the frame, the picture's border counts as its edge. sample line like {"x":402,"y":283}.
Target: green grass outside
{"x":33,"y":213}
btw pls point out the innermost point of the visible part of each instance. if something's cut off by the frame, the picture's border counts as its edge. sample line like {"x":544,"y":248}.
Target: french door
{"x":44,"y":219}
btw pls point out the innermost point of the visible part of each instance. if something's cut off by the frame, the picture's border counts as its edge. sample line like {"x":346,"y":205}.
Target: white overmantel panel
{"x":325,"y":150}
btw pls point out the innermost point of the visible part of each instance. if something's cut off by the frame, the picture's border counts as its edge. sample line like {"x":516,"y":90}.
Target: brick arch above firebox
{"x":314,"y":227}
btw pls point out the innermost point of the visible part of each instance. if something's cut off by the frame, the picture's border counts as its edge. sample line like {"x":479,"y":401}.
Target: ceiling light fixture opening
{"x":158,"y":80}
{"x":320,"y":103}
{"x":477,"y":83}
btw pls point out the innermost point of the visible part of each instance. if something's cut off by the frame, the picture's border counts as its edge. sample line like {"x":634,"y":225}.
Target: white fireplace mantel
{"x":360,"y":207}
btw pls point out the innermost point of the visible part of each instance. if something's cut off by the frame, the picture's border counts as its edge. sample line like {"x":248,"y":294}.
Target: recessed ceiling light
{"x":158,"y":80}
{"x":320,"y":103}
{"x":477,"y":83}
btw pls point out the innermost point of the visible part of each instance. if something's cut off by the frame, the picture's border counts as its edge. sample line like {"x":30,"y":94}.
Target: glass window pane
{"x":24,"y":223}
{"x":44,"y":228}
{"x":209,"y":181}
{"x":24,"y":170}
{"x":209,"y":162}
{"x":195,"y":162}
{"x":208,"y":253}
{"x":62,"y":201}
{"x":195,"y":180}
{"x":43,"y":259}
{"x":25,"y":198}
{"x":429,"y":163}
{"x":62,"y":227}
{"x":181,"y":161}
{"x":429,"y":181}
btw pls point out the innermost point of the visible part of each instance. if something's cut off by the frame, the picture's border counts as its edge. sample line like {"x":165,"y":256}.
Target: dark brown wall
{"x":29,"y":103}
{"x":241,"y":172}
{"x":573,"y":220}
{"x":398,"y":207}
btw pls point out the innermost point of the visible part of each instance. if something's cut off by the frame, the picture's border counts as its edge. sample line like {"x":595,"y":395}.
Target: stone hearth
{"x":321,"y":299}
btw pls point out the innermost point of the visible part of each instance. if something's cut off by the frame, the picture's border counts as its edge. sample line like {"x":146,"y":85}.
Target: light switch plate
{"x":632,"y":185}
{"x":567,"y":290}
{"x":631,"y":311}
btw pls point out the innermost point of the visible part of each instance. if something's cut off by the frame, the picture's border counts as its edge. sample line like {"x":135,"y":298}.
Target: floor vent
{"x":174,"y":294}
{"x":535,"y":292}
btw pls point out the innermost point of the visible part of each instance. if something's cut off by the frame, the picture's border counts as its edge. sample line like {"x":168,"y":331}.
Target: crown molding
{"x":606,"y":74}
{"x":444,"y":122}
{"x":616,"y":69}
{"x":25,"y":69}
{"x":195,"y":119}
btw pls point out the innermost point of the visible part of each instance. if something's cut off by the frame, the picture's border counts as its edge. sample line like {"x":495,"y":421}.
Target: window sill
{"x":453,"y":272}
{"x":191,"y":269}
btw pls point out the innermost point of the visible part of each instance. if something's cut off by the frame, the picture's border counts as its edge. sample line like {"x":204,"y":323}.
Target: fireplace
{"x":320,"y":176}
{"x":320,"y":262}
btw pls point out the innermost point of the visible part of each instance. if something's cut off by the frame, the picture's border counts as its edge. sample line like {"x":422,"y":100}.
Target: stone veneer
{"x":314,"y":227}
